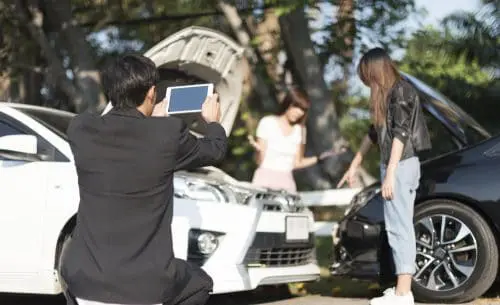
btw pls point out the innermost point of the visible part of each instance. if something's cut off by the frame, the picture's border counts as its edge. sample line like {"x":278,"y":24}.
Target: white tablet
{"x":187,"y":99}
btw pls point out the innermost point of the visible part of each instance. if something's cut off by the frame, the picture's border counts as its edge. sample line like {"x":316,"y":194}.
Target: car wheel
{"x":457,"y":254}
{"x":66,"y":241}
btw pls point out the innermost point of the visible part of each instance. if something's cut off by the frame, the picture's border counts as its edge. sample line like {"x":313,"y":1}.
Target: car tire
{"x":485,"y":256}
{"x":64,"y":246}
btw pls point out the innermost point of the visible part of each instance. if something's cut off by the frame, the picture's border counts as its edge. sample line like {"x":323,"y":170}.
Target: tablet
{"x":187,"y":99}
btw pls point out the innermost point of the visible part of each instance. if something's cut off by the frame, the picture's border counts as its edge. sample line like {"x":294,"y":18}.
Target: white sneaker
{"x":390,"y":298}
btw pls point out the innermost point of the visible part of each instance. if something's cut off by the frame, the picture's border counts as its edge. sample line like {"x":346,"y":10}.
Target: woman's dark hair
{"x":127,"y":79}
{"x":377,"y":71}
{"x":297,"y":98}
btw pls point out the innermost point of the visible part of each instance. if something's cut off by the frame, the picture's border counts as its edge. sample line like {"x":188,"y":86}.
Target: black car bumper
{"x":360,"y":250}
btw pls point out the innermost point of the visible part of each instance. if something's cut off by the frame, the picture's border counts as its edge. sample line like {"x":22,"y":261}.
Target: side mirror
{"x":20,"y":143}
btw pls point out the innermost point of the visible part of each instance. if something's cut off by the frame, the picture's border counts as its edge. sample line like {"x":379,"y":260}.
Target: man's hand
{"x":160,"y":109}
{"x":210,"y":110}
{"x":388,"y":185}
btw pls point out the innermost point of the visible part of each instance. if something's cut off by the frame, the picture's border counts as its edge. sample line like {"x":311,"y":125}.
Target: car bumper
{"x":236,"y":278}
{"x":359,"y":249}
{"x":252,"y":249}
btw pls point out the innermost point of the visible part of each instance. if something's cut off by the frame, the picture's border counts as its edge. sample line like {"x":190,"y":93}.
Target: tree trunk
{"x":5,"y":89}
{"x":268,"y":34}
{"x":238,"y":28}
{"x":322,"y":125}
{"x":81,"y":55}
{"x":33,"y":18}
{"x":323,"y":130}
{"x":345,"y":32}
{"x":32,"y":82}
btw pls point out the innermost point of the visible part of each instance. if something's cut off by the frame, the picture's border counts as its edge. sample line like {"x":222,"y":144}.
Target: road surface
{"x":223,"y":300}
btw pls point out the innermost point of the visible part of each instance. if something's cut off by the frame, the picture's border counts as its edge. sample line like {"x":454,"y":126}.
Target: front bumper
{"x":252,"y":249}
{"x":360,"y":249}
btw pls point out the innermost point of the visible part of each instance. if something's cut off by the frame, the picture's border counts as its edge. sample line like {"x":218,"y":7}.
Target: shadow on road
{"x":260,"y":295}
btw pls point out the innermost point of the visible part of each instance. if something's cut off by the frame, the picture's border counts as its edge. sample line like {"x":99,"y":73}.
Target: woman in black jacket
{"x":400,"y":131}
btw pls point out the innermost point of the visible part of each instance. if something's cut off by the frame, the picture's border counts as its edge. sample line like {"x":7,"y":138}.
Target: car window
{"x":9,"y":126}
{"x":58,"y":124}
{"x":442,"y":140}
{"x":7,"y":129}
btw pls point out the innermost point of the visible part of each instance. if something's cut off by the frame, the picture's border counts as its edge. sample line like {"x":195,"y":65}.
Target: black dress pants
{"x":193,"y":291}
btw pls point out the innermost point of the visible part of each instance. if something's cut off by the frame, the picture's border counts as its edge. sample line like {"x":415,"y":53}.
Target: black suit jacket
{"x":121,"y":251}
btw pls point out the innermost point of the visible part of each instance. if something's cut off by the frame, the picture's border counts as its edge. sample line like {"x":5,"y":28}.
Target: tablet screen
{"x":187,"y":98}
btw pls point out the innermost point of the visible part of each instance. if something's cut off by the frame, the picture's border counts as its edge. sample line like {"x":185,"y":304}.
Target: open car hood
{"x":463,"y":127}
{"x":209,"y":56}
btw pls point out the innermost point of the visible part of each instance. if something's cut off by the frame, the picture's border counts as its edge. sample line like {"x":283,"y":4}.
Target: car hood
{"x":215,"y":175}
{"x":460,"y":124}
{"x":210,"y":56}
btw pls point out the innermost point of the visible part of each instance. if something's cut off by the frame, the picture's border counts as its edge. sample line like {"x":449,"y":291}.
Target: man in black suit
{"x":121,"y":249}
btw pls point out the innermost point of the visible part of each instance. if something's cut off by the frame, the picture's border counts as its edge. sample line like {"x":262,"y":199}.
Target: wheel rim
{"x":446,"y":252}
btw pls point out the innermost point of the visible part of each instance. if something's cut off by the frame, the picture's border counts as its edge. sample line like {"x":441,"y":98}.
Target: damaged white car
{"x":242,"y":236}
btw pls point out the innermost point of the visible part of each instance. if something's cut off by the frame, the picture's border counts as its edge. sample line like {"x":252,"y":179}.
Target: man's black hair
{"x":127,"y":79}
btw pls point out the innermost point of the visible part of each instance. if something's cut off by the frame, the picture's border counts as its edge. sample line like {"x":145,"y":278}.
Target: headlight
{"x":202,"y":244}
{"x":207,"y":243}
{"x":241,"y":195}
{"x":198,"y":190}
{"x":360,"y":199}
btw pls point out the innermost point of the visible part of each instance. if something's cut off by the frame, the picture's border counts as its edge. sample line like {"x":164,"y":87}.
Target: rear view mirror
{"x":19,"y":143}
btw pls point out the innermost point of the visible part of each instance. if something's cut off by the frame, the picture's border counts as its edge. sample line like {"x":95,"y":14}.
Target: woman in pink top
{"x":280,"y":144}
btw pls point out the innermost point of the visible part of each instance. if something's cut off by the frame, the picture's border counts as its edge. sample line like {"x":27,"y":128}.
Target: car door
{"x":22,"y":201}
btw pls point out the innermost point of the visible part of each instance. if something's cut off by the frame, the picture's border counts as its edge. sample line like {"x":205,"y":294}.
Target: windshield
{"x":442,"y":107}
{"x":57,"y":122}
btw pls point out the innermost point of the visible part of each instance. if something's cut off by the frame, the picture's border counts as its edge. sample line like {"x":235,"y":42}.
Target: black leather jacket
{"x":405,"y":121}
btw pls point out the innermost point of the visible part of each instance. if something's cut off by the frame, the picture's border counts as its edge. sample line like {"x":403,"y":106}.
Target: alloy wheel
{"x":446,"y":252}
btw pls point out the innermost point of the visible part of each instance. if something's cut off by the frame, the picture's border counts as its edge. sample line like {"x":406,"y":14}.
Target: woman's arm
{"x":366,"y":144}
{"x":404,"y":103}
{"x":260,"y":150}
{"x":403,"y":108}
{"x":301,"y":161}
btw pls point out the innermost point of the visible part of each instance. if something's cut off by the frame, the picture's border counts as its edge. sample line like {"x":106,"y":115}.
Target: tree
{"x":32,"y":18}
{"x":465,"y":82}
{"x":378,"y":22}
{"x":475,"y":35}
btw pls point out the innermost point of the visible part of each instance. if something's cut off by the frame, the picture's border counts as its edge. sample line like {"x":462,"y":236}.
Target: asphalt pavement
{"x":222,"y":300}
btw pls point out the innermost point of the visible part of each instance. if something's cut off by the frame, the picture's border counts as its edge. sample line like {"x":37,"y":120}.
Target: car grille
{"x":280,"y":202}
{"x":271,"y":250}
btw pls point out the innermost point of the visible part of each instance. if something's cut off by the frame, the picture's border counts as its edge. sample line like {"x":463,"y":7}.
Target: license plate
{"x":297,"y":229}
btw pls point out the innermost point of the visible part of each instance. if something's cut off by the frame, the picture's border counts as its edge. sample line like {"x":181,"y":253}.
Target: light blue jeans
{"x":398,"y":214}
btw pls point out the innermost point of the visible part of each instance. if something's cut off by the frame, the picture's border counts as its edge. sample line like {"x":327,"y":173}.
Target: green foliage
{"x":476,"y":35}
{"x":461,"y":79}
{"x":240,"y":162}
{"x":376,"y":22}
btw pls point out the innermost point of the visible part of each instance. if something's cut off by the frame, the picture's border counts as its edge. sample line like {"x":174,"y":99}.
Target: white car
{"x":241,"y":235}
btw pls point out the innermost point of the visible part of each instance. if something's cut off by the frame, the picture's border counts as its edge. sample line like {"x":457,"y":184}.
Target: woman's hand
{"x":254,"y":143}
{"x":330,"y":153}
{"x":349,"y":177}
{"x":388,"y":185}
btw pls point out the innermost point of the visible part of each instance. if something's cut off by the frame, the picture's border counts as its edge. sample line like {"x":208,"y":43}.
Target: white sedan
{"x":242,"y":236}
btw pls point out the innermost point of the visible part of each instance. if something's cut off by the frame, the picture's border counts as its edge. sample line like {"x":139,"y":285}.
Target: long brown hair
{"x":297,"y":98}
{"x":377,"y":71}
